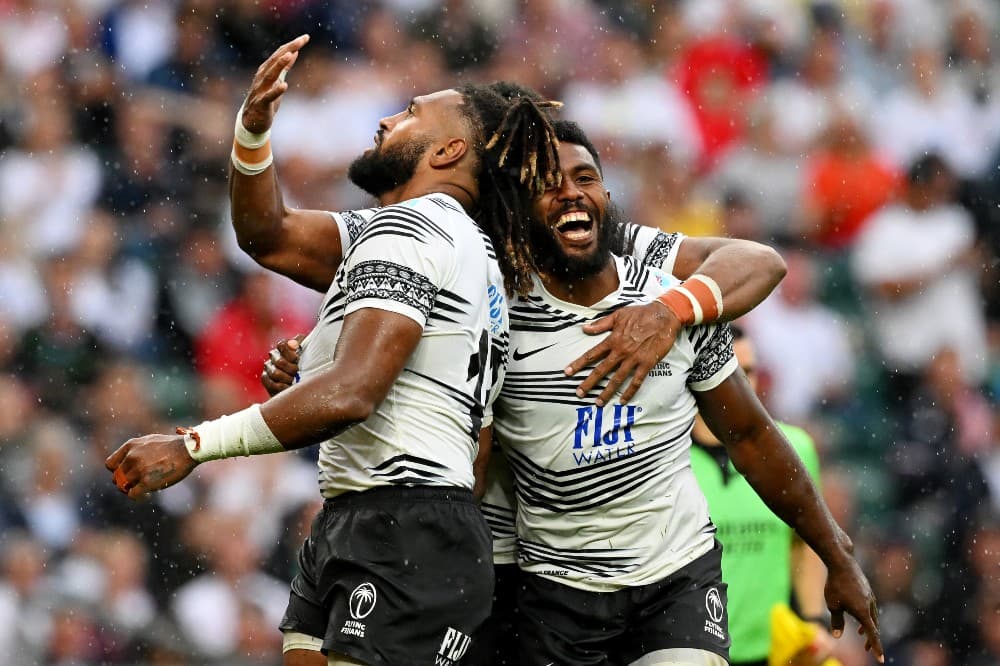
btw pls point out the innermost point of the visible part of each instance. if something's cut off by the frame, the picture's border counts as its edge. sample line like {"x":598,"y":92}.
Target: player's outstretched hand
{"x":282,"y":365}
{"x":146,"y":464}
{"x":640,"y":336}
{"x":847,"y":590}
{"x":269,"y":85}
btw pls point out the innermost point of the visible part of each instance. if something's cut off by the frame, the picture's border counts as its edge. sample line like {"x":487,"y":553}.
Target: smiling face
{"x":403,"y":140}
{"x":572,"y":230}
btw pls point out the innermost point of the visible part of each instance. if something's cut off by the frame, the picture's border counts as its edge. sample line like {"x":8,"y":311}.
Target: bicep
{"x":692,"y":253}
{"x":310,"y":250}
{"x":373,"y":349}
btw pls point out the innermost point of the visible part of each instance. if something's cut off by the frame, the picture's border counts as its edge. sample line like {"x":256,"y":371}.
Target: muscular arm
{"x":641,"y":336}
{"x":746,"y":272}
{"x":352,"y":387}
{"x":303,"y":245}
{"x":761,"y":453}
{"x":347,"y":392}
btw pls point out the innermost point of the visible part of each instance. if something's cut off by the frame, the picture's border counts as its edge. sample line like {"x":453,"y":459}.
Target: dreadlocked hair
{"x":518,"y":154}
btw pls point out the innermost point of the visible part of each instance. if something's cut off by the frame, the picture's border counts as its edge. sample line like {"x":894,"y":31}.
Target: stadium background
{"x":126,"y":307}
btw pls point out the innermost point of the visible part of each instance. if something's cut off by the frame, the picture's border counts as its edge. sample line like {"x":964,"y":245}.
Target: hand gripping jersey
{"x":653,"y":248}
{"x":606,"y":497}
{"x":427,"y":260}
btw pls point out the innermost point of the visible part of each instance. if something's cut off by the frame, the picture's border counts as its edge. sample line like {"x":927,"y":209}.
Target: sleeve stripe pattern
{"x":659,"y":248}
{"x":388,"y":281}
{"x":713,"y":354}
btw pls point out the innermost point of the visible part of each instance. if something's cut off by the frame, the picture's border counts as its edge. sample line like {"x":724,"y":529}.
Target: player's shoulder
{"x":428,"y":219}
{"x":645,"y":278}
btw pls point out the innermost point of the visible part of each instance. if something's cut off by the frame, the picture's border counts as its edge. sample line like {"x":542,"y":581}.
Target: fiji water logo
{"x":604,"y":433}
{"x":496,"y":300}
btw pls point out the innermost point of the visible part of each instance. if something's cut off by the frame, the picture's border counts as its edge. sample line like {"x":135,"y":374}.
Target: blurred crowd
{"x":860,"y":137}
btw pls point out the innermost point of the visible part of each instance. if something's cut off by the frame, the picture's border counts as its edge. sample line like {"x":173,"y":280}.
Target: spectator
{"x":845,"y":182}
{"x":916,"y":260}
{"x":789,"y":327}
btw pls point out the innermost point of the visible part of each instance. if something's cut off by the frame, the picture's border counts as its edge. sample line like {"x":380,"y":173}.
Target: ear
{"x":447,"y":154}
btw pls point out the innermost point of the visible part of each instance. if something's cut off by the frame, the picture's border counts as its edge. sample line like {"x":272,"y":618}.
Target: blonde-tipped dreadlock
{"x":517,"y":164}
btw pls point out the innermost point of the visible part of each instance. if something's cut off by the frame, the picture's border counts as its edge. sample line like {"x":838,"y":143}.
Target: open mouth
{"x":575,"y":226}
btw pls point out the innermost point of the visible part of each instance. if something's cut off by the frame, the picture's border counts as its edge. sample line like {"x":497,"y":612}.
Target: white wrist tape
{"x":245,"y":137}
{"x":244,"y":433}
{"x":251,"y":152}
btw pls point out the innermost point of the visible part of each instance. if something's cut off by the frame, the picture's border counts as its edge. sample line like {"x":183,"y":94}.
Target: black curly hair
{"x":514,"y":140}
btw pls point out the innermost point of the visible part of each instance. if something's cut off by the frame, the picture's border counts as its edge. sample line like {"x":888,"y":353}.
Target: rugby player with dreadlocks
{"x":397,"y":374}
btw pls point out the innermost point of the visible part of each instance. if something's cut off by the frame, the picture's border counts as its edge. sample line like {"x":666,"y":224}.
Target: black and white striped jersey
{"x":428,"y":260}
{"x":653,"y":248}
{"x":605,"y":496}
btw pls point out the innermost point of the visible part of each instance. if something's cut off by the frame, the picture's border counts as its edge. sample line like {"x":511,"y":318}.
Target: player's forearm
{"x":315,"y":410}
{"x":746,"y":273}
{"x":778,"y":476}
{"x":257,"y":211}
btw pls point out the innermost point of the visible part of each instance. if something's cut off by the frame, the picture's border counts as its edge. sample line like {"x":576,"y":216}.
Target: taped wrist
{"x":251,"y":152}
{"x":244,"y":433}
{"x":697,"y":300}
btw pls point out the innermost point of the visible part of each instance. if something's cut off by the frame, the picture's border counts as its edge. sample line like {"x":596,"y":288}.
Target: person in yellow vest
{"x":762,"y":560}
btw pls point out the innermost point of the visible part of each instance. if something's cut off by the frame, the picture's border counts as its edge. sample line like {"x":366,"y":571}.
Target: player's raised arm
{"x":722,"y":279}
{"x":762,"y":454}
{"x":303,"y":245}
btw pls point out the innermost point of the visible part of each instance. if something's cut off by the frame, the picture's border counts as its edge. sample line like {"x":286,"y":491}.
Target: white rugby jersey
{"x":605,"y":496}
{"x":653,"y":248}
{"x":428,"y":260}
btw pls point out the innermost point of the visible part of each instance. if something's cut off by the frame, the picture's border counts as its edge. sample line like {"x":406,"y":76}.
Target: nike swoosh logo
{"x":518,"y":355}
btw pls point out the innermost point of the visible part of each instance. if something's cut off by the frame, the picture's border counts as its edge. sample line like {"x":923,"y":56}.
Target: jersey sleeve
{"x":398,"y":263}
{"x":715,"y":359}
{"x":350,"y":224}
{"x":653,"y":247}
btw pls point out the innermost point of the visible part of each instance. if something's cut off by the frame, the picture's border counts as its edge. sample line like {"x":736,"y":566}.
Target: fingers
{"x":602,"y":325}
{"x":589,"y":358}
{"x":119,"y":478}
{"x":617,"y":379}
{"x":836,"y":622}
{"x":869,"y":627}
{"x":638,"y":377}
{"x":288,"y":350}
{"x":272,"y":387}
{"x":286,"y":49}
{"x":115,"y":459}
{"x":603,"y":369}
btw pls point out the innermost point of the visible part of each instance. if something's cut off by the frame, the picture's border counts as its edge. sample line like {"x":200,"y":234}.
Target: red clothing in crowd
{"x":719,"y":75}
{"x":844,"y":191}
{"x":236,"y":342}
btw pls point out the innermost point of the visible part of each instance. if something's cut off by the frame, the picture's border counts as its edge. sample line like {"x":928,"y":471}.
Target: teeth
{"x":574,"y":216}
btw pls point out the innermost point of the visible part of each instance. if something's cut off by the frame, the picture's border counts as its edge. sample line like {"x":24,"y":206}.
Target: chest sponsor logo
{"x":604,"y":433}
{"x":453,"y":648}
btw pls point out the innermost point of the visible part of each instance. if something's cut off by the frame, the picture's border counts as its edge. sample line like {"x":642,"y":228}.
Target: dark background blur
{"x":860,"y":137}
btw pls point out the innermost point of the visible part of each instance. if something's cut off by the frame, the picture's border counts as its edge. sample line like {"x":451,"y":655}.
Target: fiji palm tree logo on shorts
{"x":713,"y":604}
{"x":362,"y":601}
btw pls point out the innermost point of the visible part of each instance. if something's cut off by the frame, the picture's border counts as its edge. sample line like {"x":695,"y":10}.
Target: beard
{"x":555,"y":262}
{"x":381,"y":170}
